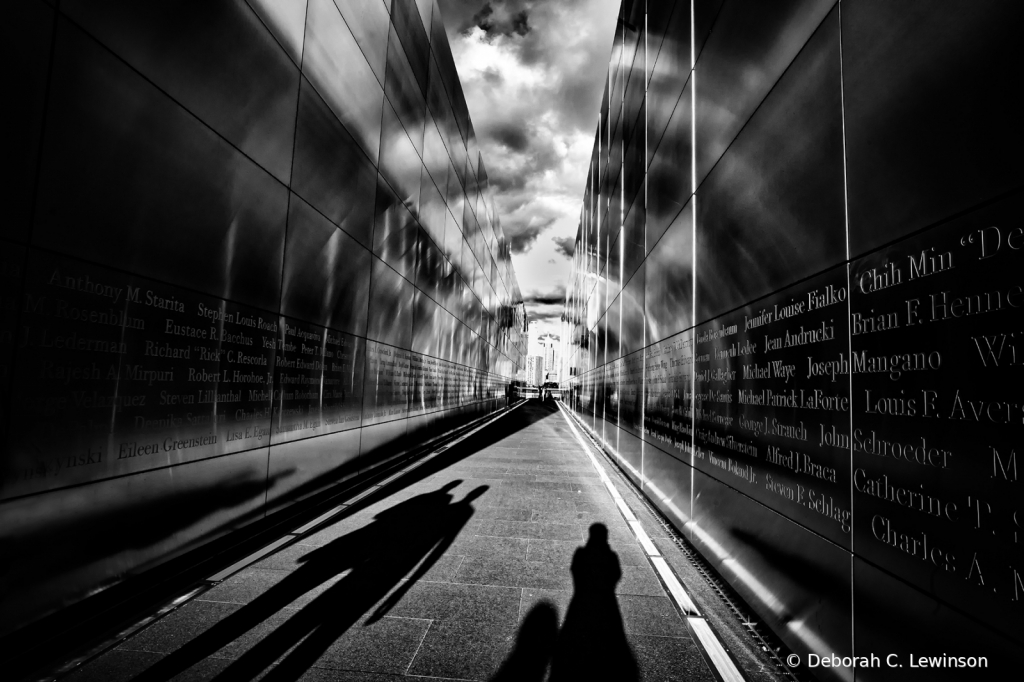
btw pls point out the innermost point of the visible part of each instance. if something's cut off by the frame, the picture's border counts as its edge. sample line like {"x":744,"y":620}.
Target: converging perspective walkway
{"x":505,"y":557}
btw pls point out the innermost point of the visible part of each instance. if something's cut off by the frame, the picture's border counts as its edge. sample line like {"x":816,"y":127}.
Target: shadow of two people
{"x":591,"y":644}
{"x":408,"y":537}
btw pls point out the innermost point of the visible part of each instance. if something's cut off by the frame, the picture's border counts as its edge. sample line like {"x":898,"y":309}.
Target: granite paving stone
{"x":474,"y":545}
{"x":458,"y":617}
{"x":463,"y":650}
{"x":669,"y":658}
{"x":183,"y":625}
{"x":647,"y":615}
{"x":640,"y":580}
{"x":387,"y":646}
{"x":514,"y":572}
{"x":442,"y":602}
{"x":531,"y":530}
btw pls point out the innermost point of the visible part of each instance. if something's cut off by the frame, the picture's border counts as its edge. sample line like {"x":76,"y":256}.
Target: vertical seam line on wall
{"x":619,"y":358}
{"x":849,"y":312}
{"x":284,"y":253}
{"x":643,"y":308}
{"x":373,"y":238}
{"x":693,"y":266}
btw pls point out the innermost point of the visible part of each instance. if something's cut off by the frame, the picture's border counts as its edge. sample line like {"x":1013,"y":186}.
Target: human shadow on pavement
{"x":591,"y":644}
{"x":534,"y":647}
{"x":412,"y":534}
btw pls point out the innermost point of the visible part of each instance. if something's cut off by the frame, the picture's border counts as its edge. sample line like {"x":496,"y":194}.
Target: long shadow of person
{"x":378,"y":556}
{"x":592,"y":644}
{"x":534,"y":647}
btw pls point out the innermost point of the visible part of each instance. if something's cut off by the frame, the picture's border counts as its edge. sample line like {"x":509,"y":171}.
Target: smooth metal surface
{"x":824,"y":337}
{"x":210,"y":312}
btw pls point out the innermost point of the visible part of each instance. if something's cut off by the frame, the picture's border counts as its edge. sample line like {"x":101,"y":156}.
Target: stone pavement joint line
{"x":716,"y":653}
{"x":507,"y":557}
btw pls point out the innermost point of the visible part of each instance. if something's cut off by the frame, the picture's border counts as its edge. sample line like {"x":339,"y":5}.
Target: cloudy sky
{"x":533,"y":74}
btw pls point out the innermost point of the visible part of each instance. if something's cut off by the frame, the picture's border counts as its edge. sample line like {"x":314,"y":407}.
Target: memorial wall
{"x":251,"y":251}
{"x":795,"y":314}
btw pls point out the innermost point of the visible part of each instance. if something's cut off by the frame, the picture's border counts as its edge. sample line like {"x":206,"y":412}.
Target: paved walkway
{"x":504,"y":558}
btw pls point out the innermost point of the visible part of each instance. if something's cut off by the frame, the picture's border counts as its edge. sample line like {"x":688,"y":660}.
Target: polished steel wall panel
{"x":438,"y":105}
{"x":426,"y":320}
{"x":409,"y":28}
{"x":399,"y":161}
{"x":704,"y":15}
{"x":118,"y":374}
{"x":628,"y":451}
{"x":668,"y":396}
{"x":613,"y":348}
{"x":185,"y":346}
{"x":368,"y":21}
{"x":666,"y":481}
{"x":770,"y":422}
{"x":935,"y":383}
{"x":779,"y":189}
{"x":12,"y":267}
{"x":27,"y":35}
{"x":303,"y":467}
{"x":670,"y":177}
{"x":326,"y":272}
{"x":796,"y":581}
{"x":213,"y":219}
{"x":631,"y":402}
{"x":429,"y":265}
{"x":889,"y":614}
{"x":634,"y":166}
{"x":847,"y":402}
{"x":249,"y":98}
{"x":386,"y":383}
{"x":157,"y":514}
{"x":751,"y":44}
{"x":669,"y":279}
{"x":331,"y":172}
{"x":435,"y":156}
{"x":286,"y":21}
{"x":395,"y":232}
{"x":334,"y":64}
{"x":659,"y":16}
{"x":632,"y":326}
{"x":634,"y":120}
{"x":381,"y":442}
{"x":298,"y":377}
{"x":907,"y":166}
{"x":403,"y":91}
{"x":390,"y":316}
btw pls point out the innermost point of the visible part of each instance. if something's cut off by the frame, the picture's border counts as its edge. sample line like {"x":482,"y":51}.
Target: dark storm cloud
{"x":500,"y":18}
{"x":546,"y":306}
{"x":565,"y":246}
{"x":513,"y":135}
